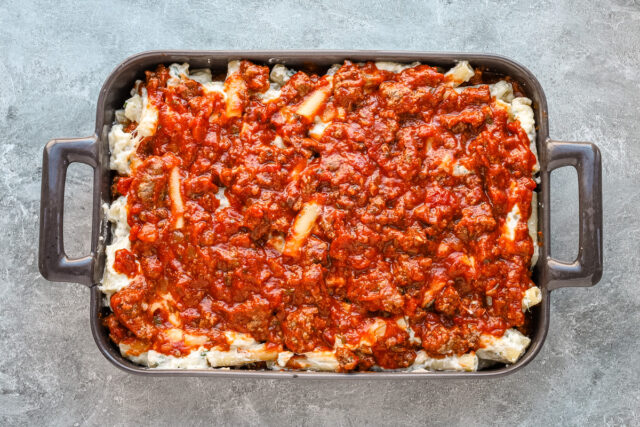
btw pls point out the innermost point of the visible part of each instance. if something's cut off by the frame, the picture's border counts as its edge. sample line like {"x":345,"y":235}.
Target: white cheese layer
{"x":202,"y":76}
{"x":233,"y":67}
{"x":177,"y":71}
{"x":278,"y":142}
{"x":459,"y":170}
{"x":122,"y":145}
{"x":148,"y":118}
{"x":152,"y":359}
{"x":502,"y":90}
{"x":521,"y":109}
{"x":394,"y":67}
{"x":280,"y":74}
{"x":217,"y":87}
{"x":506,"y":349}
{"x":532,"y":224}
{"x":133,"y":108}
{"x":283,"y":359}
{"x":318,"y":128}
{"x":333,"y":69}
{"x":141,"y":359}
{"x":194,"y":360}
{"x":224,"y":202}
{"x":113,"y":281}
{"x":239,"y":357}
{"x":466,"y":362}
{"x":272,"y":93}
{"x":243,"y":349}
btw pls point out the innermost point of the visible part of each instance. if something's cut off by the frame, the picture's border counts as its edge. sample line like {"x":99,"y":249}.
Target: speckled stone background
{"x":54,"y":57}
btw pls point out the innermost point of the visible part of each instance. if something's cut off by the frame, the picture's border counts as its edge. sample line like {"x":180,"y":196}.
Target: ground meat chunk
{"x":398,"y":97}
{"x":375,"y":290}
{"x":302,"y":330}
{"x":448,"y":301}
{"x":150,"y":181}
{"x":256,"y":76}
{"x":127,"y":306}
{"x":348,"y":85}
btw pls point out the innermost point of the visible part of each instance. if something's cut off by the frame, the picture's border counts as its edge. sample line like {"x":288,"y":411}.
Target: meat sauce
{"x":410,"y":186}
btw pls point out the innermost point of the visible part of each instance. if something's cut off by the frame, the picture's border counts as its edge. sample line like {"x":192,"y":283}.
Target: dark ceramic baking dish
{"x":548,"y":274}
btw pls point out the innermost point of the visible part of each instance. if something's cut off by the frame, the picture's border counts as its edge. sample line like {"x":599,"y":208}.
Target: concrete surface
{"x":54,"y":57}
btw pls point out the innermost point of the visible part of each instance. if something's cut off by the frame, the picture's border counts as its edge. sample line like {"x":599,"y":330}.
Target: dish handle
{"x":53,"y":262}
{"x":586,"y":270}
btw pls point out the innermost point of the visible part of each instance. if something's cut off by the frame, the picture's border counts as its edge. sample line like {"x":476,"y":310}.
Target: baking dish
{"x":548,"y":274}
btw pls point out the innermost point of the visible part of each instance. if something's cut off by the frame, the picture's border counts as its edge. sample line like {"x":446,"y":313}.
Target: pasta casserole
{"x":378,"y":216}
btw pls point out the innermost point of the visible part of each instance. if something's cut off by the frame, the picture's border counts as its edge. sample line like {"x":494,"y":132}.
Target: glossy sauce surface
{"x":395,"y":214}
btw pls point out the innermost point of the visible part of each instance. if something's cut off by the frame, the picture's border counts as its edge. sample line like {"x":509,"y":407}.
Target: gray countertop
{"x":54,"y":57}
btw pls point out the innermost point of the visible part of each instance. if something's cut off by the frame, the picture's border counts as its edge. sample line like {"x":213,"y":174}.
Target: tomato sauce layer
{"x":359,"y":199}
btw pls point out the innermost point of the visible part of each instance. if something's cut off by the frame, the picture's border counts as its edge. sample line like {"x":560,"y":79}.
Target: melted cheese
{"x":177,"y":72}
{"x":202,"y":76}
{"x":394,"y":67}
{"x":511,"y":223}
{"x":224,"y":202}
{"x":333,"y":69}
{"x":241,"y":356}
{"x":271,"y":94}
{"x":122,"y":145}
{"x":460,"y":73}
{"x":133,"y":108}
{"x":465,"y":362}
{"x":283,"y":359}
{"x":502,"y":91}
{"x":318,"y":128}
{"x":506,"y":349}
{"x":460,"y":170}
{"x":243,"y":349}
{"x":141,"y":359}
{"x":375,"y":332}
{"x":233,"y":67}
{"x":194,"y":360}
{"x":518,"y":109}
{"x":532,"y":224}
{"x":280,"y":74}
{"x":278,"y":142}
{"x":113,"y":281}
{"x":215,"y":87}
{"x":532,"y":296}
{"x":148,"y":118}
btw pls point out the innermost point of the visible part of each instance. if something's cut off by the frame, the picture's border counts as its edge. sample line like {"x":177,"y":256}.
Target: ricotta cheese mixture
{"x":139,"y":120}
